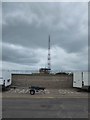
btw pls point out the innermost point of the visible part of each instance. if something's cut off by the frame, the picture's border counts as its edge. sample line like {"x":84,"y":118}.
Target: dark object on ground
{"x":32,"y":92}
{"x":34,"y":89}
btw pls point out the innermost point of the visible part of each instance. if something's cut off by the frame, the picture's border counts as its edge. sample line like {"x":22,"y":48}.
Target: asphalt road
{"x":45,"y":108}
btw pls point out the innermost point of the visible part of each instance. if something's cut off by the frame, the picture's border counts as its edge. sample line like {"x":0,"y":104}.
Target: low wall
{"x":48,"y":81}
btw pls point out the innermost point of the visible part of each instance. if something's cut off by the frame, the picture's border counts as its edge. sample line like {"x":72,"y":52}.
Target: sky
{"x":26,"y":27}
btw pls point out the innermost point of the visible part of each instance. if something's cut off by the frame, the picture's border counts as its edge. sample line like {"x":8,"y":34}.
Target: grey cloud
{"x":26,"y":35}
{"x":20,"y":56}
{"x":58,"y":19}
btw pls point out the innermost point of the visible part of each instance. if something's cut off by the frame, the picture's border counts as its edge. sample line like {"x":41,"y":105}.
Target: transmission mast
{"x":48,"y":69}
{"x":49,"y":55}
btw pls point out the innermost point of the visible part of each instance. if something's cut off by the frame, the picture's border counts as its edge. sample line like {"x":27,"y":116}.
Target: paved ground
{"x":45,"y":108}
{"x":54,"y":103}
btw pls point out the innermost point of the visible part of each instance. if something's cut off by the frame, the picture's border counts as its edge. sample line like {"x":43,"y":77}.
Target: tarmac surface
{"x":53,"y":103}
{"x":45,"y":108}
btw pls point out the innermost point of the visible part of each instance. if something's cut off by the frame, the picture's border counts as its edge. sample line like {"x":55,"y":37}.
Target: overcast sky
{"x":25,"y":31}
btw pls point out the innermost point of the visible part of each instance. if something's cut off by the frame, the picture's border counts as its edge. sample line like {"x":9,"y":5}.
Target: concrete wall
{"x":48,"y":81}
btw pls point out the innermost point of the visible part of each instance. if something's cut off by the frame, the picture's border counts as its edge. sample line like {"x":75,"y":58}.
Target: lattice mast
{"x":49,"y":55}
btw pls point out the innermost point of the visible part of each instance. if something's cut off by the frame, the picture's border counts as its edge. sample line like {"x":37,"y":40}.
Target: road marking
{"x":72,"y":92}
{"x":47,"y":91}
{"x":53,"y":93}
{"x":26,"y":91}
